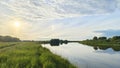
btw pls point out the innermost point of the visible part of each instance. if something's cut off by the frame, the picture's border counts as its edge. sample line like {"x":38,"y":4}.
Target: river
{"x":84,"y":56}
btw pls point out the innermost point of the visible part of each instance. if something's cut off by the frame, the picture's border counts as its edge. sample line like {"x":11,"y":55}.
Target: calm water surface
{"x":84,"y":56}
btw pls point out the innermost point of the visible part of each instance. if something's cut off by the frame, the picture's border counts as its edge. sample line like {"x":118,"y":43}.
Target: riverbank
{"x":102,"y":44}
{"x":29,"y":55}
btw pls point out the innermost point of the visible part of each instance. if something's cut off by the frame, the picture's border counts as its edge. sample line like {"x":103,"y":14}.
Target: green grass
{"x":102,"y":44}
{"x":7,"y":44}
{"x":29,"y":55}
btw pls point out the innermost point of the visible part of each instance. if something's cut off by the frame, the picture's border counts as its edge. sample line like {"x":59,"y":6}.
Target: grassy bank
{"x":29,"y":55}
{"x":102,"y":44}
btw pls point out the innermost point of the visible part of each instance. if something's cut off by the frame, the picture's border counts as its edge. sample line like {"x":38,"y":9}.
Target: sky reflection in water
{"x":86,"y":57}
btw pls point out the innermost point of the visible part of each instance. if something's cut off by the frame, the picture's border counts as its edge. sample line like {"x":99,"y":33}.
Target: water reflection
{"x":56,"y":42}
{"x":115,"y":48}
{"x":84,"y":56}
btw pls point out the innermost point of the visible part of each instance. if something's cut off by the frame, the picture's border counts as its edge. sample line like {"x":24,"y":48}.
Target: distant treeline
{"x":113,"y":39}
{"x":9,"y":39}
{"x":103,"y":42}
{"x":103,"y":38}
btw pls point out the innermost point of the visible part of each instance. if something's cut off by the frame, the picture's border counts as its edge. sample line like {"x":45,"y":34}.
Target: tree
{"x":55,"y":42}
{"x":116,"y":38}
{"x":102,"y":38}
{"x":9,"y":39}
{"x":95,"y":38}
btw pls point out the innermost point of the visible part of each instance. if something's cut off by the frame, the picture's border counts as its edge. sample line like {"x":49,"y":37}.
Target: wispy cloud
{"x":58,"y":18}
{"x":50,"y":9}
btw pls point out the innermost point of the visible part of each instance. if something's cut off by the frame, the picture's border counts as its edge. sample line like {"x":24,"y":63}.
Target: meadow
{"x":29,"y":55}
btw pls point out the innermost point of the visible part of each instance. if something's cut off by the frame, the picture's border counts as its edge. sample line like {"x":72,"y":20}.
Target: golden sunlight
{"x":17,"y":24}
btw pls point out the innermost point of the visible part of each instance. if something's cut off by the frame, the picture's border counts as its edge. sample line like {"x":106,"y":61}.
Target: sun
{"x":17,"y":24}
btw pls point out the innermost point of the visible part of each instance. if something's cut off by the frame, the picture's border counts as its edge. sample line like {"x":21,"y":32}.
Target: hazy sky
{"x":66,"y":19}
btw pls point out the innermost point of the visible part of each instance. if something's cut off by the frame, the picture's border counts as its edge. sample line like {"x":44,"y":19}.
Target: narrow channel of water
{"x":84,"y":56}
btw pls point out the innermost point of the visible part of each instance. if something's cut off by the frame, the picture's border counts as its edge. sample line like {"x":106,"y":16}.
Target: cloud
{"x":88,"y":6}
{"x":118,"y":3}
{"x":57,"y":18}
{"x":54,"y":9}
{"x":109,"y":33}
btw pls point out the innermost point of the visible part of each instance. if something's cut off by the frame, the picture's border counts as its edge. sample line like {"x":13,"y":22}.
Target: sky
{"x":64,"y":19}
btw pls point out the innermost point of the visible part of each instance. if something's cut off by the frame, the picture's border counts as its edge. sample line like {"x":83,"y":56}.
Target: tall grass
{"x":30,"y":55}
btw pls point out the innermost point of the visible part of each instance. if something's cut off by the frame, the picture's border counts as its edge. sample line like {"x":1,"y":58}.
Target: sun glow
{"x":17,"y":24}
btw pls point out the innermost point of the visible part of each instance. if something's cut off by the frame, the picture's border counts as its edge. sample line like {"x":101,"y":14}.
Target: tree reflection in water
{"x":115,"y":48}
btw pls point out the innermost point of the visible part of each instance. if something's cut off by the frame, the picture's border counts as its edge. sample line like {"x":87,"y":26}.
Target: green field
{"x":29,"y":55}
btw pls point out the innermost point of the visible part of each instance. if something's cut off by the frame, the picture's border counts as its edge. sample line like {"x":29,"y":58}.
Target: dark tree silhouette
{"x":116,"y":38}
{"x":102,"y":38}
{"x":9,"y":39}
{"x":95,"y":38}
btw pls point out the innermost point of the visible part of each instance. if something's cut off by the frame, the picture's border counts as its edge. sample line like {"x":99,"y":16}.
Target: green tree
{"x":102,"y":38}
{"x":116,"y":38}
{"x":95,"y":38}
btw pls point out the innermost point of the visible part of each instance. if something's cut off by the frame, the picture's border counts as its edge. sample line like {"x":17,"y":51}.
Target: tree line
{"x":114,"y":38}
{"x":9,"y":39}
{"x":103,"y":42}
